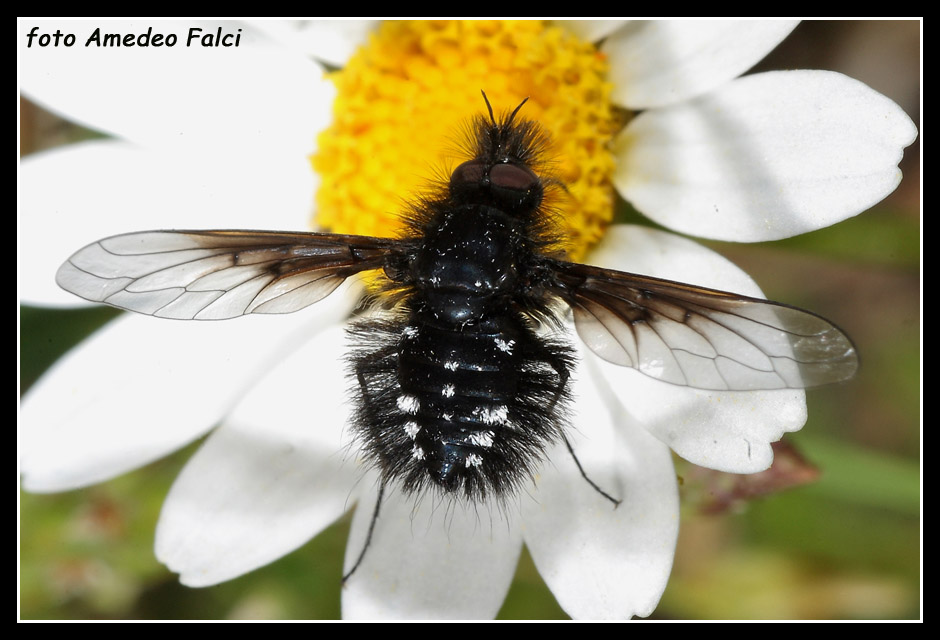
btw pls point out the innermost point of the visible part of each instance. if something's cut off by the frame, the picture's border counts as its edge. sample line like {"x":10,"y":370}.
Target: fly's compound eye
{"x":468,"y":175}
{"x":513,"y":177}
{"x":507,"y":184}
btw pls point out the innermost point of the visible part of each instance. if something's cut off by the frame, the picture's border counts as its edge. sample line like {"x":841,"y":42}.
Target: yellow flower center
{"x":404,"y":98}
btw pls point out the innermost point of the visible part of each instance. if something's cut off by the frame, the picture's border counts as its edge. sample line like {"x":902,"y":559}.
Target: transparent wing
{"x":213,"y":275}
{"x":700,"y":337}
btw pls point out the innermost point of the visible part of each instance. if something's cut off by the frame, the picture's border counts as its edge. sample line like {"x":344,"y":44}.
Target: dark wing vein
{"x":213,"y":275}
{"x":702,"y":338}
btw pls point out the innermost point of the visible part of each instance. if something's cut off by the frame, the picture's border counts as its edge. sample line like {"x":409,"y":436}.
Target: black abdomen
{"x":469,"y":410}
{"x":458,"y":391}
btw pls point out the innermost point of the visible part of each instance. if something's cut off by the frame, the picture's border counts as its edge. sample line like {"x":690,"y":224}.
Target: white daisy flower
{"x":219,"y":137}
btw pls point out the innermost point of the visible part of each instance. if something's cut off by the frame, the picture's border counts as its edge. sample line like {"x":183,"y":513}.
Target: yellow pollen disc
{"x":404,"y":100}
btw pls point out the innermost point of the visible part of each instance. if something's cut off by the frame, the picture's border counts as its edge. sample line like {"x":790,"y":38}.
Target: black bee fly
{"x":455,"y":387}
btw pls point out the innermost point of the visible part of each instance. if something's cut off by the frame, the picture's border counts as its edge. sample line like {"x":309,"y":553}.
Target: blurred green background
{"x":847,"y":546}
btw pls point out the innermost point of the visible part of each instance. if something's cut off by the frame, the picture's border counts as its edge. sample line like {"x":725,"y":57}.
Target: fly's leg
{"x":560,"y":366}
{"x":365,"y":547}
{"x":363,"y":368}
{"x":585,"y":476}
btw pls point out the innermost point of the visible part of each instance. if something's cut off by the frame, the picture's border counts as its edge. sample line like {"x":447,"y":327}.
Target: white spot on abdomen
{"x":492,"y":415}
{"x":482,"y":438}
{"x":408,"y":404}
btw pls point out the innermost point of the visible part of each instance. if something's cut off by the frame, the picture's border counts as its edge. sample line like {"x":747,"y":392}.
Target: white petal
{"x":74,"y":195}
{"x":257,"y":95}
{"x":730,"y":431}
{"x":332,"y":41}
{"x":603,"y":562}
{"x":727,"y":431}
{"x":592,"y":30}
{"x":435,"y":560}
{"x":767,"y":156}
{"x":270,"y":478}
{"x":661,"y":254}
{"x":142,"y":387}
{"x":662,"y":62}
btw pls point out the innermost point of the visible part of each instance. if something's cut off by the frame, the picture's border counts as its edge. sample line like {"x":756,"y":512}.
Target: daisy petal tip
{"x":664,"y":62}
{"x":765,"y":157}
{"x":424,"y":563}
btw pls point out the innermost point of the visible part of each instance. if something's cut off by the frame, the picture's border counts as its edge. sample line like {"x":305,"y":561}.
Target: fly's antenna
{"x":515,"y":111}
{"x":489,"y":108}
